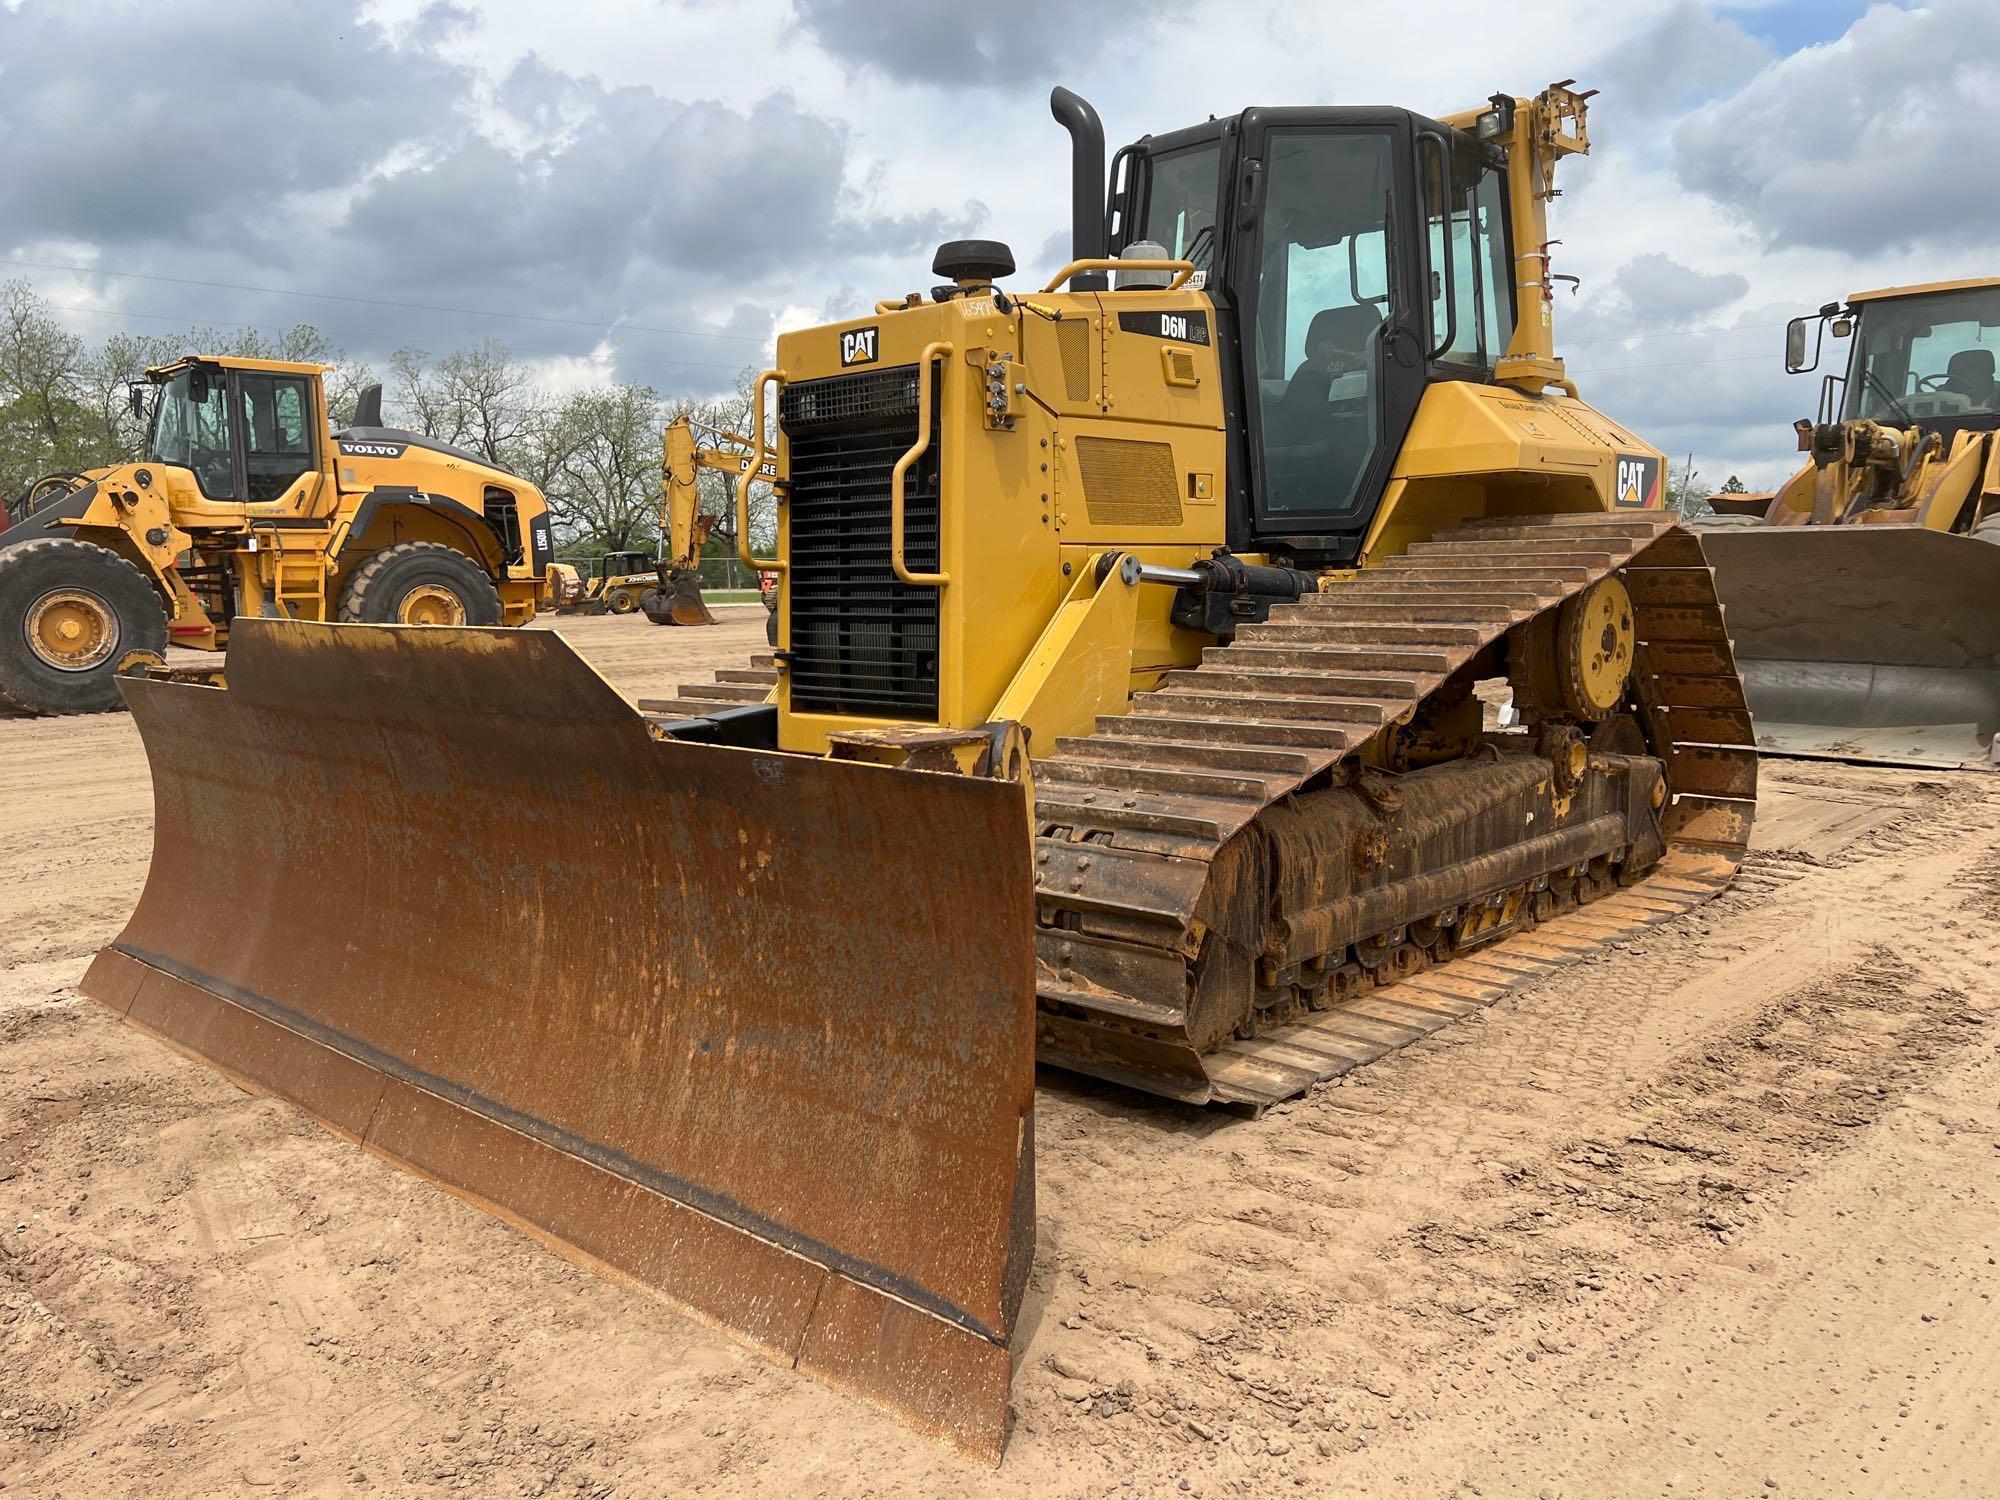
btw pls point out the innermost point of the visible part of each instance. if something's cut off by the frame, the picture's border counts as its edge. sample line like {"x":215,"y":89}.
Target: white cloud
{"x":1877,"y":139}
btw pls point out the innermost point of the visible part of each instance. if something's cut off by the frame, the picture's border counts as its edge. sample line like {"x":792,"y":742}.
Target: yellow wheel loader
{"x":1123,"y":716}
{"x":1861,"y":593}
{"x":246,"y":503}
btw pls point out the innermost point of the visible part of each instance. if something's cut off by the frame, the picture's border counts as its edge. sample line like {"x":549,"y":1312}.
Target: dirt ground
{"x":1715,"y":1213}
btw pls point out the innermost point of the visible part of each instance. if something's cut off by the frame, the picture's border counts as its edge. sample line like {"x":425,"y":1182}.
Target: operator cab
{"x":1921,"y":356}
{"x":1354,"y":255}
{"x":1930,"y":357}
{"x":250,"y":434}
{"x":623,"y":564}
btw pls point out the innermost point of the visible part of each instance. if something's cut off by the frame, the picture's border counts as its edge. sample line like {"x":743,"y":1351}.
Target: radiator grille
{"x":862,"y":642}
{"x":1128,"y":483}
{"x":1073,"y":343}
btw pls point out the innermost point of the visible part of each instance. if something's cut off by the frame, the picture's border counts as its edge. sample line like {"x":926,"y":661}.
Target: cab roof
{"x":233,"y":362}
{"x":1921,"y":288}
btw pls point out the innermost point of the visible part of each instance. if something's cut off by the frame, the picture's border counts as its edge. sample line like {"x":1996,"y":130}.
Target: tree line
{"x":594,"y":453}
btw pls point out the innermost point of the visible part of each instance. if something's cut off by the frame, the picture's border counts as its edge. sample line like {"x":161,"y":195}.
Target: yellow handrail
{"x":932,"y":351}
{"x":751,"y":467}
{"x":1182,"y":269}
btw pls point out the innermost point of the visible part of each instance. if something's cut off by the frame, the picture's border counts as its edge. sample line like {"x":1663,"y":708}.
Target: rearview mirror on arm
{"x":1795,"y":346}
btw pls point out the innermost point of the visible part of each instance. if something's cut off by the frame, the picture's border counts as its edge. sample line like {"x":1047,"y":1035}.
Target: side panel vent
{"x":1073,"y":343}
{"x":1127,"y":483}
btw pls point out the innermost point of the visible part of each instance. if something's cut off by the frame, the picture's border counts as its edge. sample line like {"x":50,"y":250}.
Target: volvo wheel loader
{"x":1862,"y":592}
{"x":1123,"y":716}
{"x":247,"y":503}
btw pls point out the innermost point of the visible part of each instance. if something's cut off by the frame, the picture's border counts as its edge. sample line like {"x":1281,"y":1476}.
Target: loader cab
{"x":1354,"y":256}
{"x":1924,"y":357}
{"x":250,"y":436}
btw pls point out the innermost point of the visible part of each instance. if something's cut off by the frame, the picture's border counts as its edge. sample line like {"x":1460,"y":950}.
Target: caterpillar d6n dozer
{"x":1861,"y":593}
{"x":1124,"y":713}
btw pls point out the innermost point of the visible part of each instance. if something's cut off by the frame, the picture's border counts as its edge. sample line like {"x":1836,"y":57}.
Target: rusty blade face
{"x":756,"y":1030}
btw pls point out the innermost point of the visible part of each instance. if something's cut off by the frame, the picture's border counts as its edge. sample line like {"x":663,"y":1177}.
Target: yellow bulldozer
{"x":1126,"y":714}
{"x":1861,"y":593}
{"x":246,"y":503}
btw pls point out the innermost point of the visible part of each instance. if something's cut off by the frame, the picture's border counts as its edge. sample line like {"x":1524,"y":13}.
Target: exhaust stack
{"x":1088,"y":240}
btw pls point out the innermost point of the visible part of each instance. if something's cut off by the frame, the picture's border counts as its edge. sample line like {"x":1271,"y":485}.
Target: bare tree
{"x":605,"y":494}
{"x":43,"y":427}
{"x":480,"y":399}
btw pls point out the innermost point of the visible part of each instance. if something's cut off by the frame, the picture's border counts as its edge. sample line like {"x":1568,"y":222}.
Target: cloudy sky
{"x":649,"y":191}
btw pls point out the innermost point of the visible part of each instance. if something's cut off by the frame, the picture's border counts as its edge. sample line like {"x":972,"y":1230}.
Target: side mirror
{"x":1795,"y":345}
{"x":136,"y":394}
{"x":198,"y":386}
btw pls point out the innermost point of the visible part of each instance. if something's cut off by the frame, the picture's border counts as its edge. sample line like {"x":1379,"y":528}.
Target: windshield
{"x":1928,"y":356}
{"x":1181,"y":195}
{"x":194,"y":434}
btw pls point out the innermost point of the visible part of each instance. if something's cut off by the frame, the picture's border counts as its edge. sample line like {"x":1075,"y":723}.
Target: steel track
{"x":1133,"y":816}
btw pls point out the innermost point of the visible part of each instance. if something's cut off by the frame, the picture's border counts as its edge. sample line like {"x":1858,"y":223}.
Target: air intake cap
{"x":973,"y":260}
{"x":1128,"y":281}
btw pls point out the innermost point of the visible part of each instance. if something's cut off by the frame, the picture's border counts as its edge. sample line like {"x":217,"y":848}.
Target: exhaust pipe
{"x":1087,"y":238}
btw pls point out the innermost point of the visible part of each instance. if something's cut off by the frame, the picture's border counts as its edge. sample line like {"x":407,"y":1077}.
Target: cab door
{"x":281,"y":438}
{"x":1322,"y":271}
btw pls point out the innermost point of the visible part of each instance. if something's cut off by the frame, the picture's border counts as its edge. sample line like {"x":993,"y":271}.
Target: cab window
{"x":1181,"y":192}
{"x":194,"y":434}
{"x":277,"y":425}
{"x":1939,"y":347}
{"x":1472,"y":309}
{"x":1324,"y":290}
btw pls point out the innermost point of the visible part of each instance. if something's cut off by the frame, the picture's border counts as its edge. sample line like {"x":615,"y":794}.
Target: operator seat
{"x":1970,"y":373}
{"x":1335,"y":333}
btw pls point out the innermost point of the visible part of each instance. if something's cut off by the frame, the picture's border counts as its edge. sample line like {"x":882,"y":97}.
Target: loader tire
{"x":72,"y":613}
{"x":622,"y":601}
{"x":771,"y":626}
{"x":420,"y":583}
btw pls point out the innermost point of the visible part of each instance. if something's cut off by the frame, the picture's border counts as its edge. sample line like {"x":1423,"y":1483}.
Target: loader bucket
{"x":752,"y":1030}
{"x":679,"y":603}
{"x":1868,"y":643}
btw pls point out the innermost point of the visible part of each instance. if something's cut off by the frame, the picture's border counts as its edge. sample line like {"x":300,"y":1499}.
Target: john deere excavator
{"x":1123,"y":715}
{"x":246,"y":503}
{"x":676,"y":598}
{"x":1862,"y":593}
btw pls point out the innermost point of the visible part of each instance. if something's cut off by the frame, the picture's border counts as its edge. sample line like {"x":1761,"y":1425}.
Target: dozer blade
{"x":1865,"y":643}
{"x":679,"y":603}
{"x":754,"y":1030}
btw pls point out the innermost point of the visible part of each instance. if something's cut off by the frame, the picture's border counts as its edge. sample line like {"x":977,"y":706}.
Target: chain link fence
{"x":725,"y":579}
